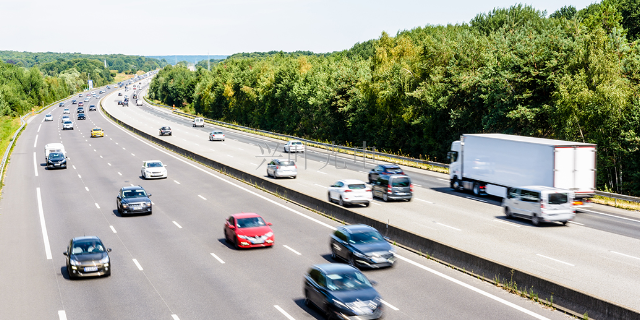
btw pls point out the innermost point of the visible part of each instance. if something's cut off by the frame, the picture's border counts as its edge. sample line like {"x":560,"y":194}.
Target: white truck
{"x":492,"y":163}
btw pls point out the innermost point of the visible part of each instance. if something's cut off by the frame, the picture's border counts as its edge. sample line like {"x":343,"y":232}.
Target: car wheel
{"x":144,"y":175}
{"x":535,"y":220}
{"x":108,"y":274}
{"x":329,"y":197}
{"x":341,"y":202}
{"x":385,"y":197}
{"x":507,"y":212}
{"x":71,"y":275}
{"x":235,"y":243}
{"x":366,"y":204}
{"x":564,"y":223}
{"x":307,"y":302}
{"x":352,"y":261}
{"x":226,"y":237}
{"x":409,"y":200}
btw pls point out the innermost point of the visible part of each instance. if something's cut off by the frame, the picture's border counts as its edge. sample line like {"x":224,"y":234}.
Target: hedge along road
{"x":601,"y":263}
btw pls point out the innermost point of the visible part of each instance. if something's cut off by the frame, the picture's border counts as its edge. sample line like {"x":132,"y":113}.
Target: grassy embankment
{"x":123,"y":76}
{"x":8,"y":127}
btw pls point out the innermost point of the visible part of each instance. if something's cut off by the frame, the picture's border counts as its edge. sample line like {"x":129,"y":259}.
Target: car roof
{"x":349,"y":181}
{"x":334,"y":267}
{"x":245,"y":215}
{"x":284,"y":159}
{"x":132,"y":188}
{"x":390,"y":166}
{"x":85,"y":238}
{"x":152,"y":161}
{"x":354,"y":228}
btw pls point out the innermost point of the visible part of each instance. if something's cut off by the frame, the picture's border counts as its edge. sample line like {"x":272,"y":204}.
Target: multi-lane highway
{"x":174,"y":264}
{"x":601,"y":245}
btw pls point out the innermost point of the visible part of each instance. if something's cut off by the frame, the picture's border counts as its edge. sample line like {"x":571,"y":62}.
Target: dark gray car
{"x":362,"y":246}
{"x":392,"y":187}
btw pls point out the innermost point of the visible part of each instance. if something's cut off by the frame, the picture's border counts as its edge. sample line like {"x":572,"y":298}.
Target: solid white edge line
{"x":137,"y":264}
{"x":389,"y":305}
{"x":284,"y":312}
{"x":62,"y":315}
{"x":320,"y":186}
{"x":626,"y":255}
{"x":556,"y":260}
{"x":203,"y":198}
{"x":296,"y":252}
{"x":472,"y":288}
{"x":113,"y":229}
{"x":35,"y":142}
{"x":424,"y":200}
{"x":176,"y":181}
{"x":86,"y":188}
{"x":610,"y":215}
{"x":442,"y":224}
{"x":175,"y":317}
{"x":97,"y":206}
{"x":217,"y":258}
{"x":35,"y":164}
{"x":43,"y":225}
{"x":177,"y":225}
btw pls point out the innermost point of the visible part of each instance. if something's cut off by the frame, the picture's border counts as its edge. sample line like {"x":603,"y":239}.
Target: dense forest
{"x":571,"y":75}
{"x":119,"y":62}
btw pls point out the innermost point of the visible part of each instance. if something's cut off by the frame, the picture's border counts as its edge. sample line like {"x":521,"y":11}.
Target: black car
{"x":119,"y":94}
{"x":80,"y":110}
{"x":56,"y":160}
{"x":108,"y":87}
{"x":87,"y":257}
{"x":73,"y":101}
{"x":384,"y":169}
{"x":165,"y":130}
{"x":362,"y":246}
{"x":61,"y":104}
{"x":92,"y":107}
{"x":341,"y":292}
{"x":133,"y":200}
{"x":81,"y":116}
{"x":392,"y":187}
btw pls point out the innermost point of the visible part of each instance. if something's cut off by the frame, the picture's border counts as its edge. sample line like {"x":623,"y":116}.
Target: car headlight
{"x":104,"y":260}
{"x":73,"y":262}
{"x":242,"y":237}
{"x":360,"y":255}
{"x":340,"y":304}
{"x":125,"y":205}
{"x":269,"y":234}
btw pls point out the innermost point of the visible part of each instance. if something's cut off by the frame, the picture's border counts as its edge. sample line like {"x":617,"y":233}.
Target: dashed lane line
{"x":113,"y":229}
{"x":389,"y":305}
{"x":137,"y":264}
{"x":296,"y":252}
{"x":43,"y":226}
{"x":35,"y":164}
{"x":217,"y":258}
{"x":177,"y":225}
{"x":284,"y":312}
{"x":203,"y":198}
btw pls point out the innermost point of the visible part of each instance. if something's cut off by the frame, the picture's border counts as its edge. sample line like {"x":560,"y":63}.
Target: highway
{"x":602,"y":244}
{"x":174,"y":264}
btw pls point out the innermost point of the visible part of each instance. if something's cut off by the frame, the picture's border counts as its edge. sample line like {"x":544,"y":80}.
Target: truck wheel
{"x":455,"y":185}
{"x":476,"y":188}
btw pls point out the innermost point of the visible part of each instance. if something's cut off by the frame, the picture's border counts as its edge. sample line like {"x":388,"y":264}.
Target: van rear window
{"x":558,"y":198}
{"x":400,"y":182}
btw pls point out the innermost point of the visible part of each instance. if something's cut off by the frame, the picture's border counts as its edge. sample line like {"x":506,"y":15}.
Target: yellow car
{"x":97,"y":132}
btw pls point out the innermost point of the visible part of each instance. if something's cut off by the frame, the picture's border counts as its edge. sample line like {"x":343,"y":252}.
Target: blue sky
{"x":162,"y":27}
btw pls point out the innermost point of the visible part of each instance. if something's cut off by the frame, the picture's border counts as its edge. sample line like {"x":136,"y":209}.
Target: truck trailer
{"x":493,"y":163}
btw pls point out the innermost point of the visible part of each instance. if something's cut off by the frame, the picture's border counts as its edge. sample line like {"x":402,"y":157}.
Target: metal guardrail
{"x":617,"y":196}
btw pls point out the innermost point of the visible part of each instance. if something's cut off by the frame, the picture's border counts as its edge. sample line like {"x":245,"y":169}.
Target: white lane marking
{"x":39,"y":127}
{"x":211,"y":149}
{"x":626,"y":255}
{"x":43,"y":225}
{"x":444,"y":225}
{"x":133,"y":154}
{"x":110,"y":139}
{"x":177,"y":225}
{"x":476,"y":199}
{"x":373,"y":202}
{"x":424,"y":200}
{"x":251,"y":163}
{"x":123,"y":148}
{"x":389,"y":305}
{"x":79,"y":176}
{"x":86,"y":188}
{"x":94,"y":150}
{"x":442,"y":179}
{"x":113,"y":229}
{"x":506,"y":222}
{"x":62,"y":315}
{"x":417,"y":185}
{"x":556,"y":260}
{"x":131,"y":184}
{"x":241,"y":149}
{"x":321,"y":172}
{"x":358,"y":170}
{"x":284,"y":312}
{"x":89,"y":144}
{"x":609,"y":215}
{"x":119,"y":173}
{"x":74,"y":167}
{"x":100,"y":156}
{"x":36,"y":141}
{"x":97,"y":206}
{"x":176,"y":181}
{"x":296,"y":252}
{"x":203,"y":198}
{"x":472,"y":288}
{"x":321,"y":186}
{"x":220,"y":260}
{"x":229,"y":156}
{"x":175,"y":317}
{"x":116,"y":143}
{"x":109,"y":163}
{"x":35,"y":164}
{"x":578,"y":223}
{"x":137,"y":264}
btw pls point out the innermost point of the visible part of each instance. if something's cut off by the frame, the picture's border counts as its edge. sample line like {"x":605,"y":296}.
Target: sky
{"x":218,"y":27}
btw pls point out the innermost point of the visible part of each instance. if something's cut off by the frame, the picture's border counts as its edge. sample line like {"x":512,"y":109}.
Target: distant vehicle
{"x":97,"y":132}
{"x":350,"y":191}
{"x":67,"y":125}
{"x":56,"y":160}
{"x":81,"y":116}
{"x":93,"y":93}
{"x":108,"y":87}
{"x":73,"y":101}
{"x":119,"y":102}
{"x":492,"y":163}
{"x":48,"y":117}
{"x":248,"y":230}
{"x":362,"y":246}
{"x":539,"y":204}
{"x":383,"y":169}
{"x":153,"y":169}
{"x":125,"y":103}
{"x":341,"y":292}
{"x":293,"y":146}
{"x":87,"y":257}
{"x":139,"y":102}
{"x":80,"y":95}
{"x":119,"y":94}
{"x":92,"y":107}
{"x":197,"y":122}
{"x":165,"y":131}
{"x":62,"y":104}
{"x":80,"y":103}
{"x":392,"y":187}
{"x":65,"y":118}
{"x":66,"y":111}
{"x":87,"y":99}
{"x":80,"y":110}
{"x":53,"y":147}
{"x":216,"y":135}
{"x":281,"y":168}
{"x":134,"y":96}
{"x":133,"y":199}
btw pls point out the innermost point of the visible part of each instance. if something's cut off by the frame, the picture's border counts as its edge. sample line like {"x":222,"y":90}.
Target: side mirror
{"x":374,"y":283}
{"x":108,"y":249}
{"x":232,"y":227}
{"x":149,"y":194}
{"x":118,"y":196}
{"x":269,"y":224}
{"x":65,"y":253}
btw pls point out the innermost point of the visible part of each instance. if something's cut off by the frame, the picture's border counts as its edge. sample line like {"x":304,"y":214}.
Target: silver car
{"x":279,"y":168}
{"x":216,"y":135}
{"x":294,"y":146}
{"x":67,"y":125}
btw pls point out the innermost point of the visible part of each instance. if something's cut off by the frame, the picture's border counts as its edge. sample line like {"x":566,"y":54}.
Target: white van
{"x":139,"y":102}
{"x":198,"y":122}
{"x":539,"y":204}
{"x":53,"y":147}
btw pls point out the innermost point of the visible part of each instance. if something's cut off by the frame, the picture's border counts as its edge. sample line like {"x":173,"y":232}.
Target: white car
{"x":67,"y":125}
{"x":279,"y":168}
{"x":66,"y":111}
{"x":153,"y":169}
{"x":293,"y":146}
{"x":139,"y":102}
{"x":216,"y":135}
{"x":48,"y":117}
{"x":65,"y":118}
{"x":86,"y":99}
{"x":198,"y":122}
{"x":350,"y":191}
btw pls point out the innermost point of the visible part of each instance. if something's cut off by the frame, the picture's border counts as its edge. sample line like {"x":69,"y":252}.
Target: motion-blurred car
{"x":87,"y":99}
{"x":66,"y":111}
{"x":87,"y":257}
{"x":133,"y":199}
{"x":248,"y":230}
{"x":80,"y":95}
{"x":97,"y":132}
{"x":74,"y":101}
{"x":80,"y":110}
{"x":119,"y":94}
{"x":61,"y":104}
{"x":92,"y":107}
{"x":362,"y":246}
{"x":384,"y":169}
{"x":67,"y":125}
{"x":216,"y":135}
{"x":341,"y":291}
{"x":281,"y":168}
{"x":153,"y":169}
{"x":56,"y":160}
{"x":293,"y":146}
{"x":350,"y":191}
{"x":81,"y":116}
{"x":48,"y":117}
{"x":165,"y":131}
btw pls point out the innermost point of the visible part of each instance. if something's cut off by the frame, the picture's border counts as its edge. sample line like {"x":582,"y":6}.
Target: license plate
{"x":400,"y":193}
{"x":90,"y":269}
{"x":257,"y":241}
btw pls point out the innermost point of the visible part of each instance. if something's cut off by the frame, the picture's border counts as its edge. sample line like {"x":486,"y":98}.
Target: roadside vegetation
{"x":572,"y":75}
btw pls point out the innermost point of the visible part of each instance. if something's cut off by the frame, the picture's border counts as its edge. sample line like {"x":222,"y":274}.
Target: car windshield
{"x":87,"y":247}
{"x":97,"y":130}
{"x":134,"y":193}
{"x":358,"y":186}
{"x":68,"y":122}
{"x":400,"y":182}
{"x":366,"y":237}
{"x":154,"y":164}
{"x":55,"y":155}
{"x":251,"y":222}
{"x":393,"y":170}
{"x":558,"y":198}
{"x":166,"y":128}
{"x":347,"y":281}
{"x":48,"y":116}
{"x":217,"y":132}
{"x":287,"y":163}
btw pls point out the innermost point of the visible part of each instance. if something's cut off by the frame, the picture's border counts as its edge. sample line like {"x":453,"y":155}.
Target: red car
{"x":248,"y":230}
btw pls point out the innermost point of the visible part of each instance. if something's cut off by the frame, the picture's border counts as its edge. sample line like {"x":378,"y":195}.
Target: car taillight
{"x":411,"y":187}
{"x":295,"y":165}
{"x":277,"y":167}
{"x":542,"y":205}
{"x":578,"y":203}
{"x":389,"y":188}
{"x":347,"y":190}
{"x":367,"y":190}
